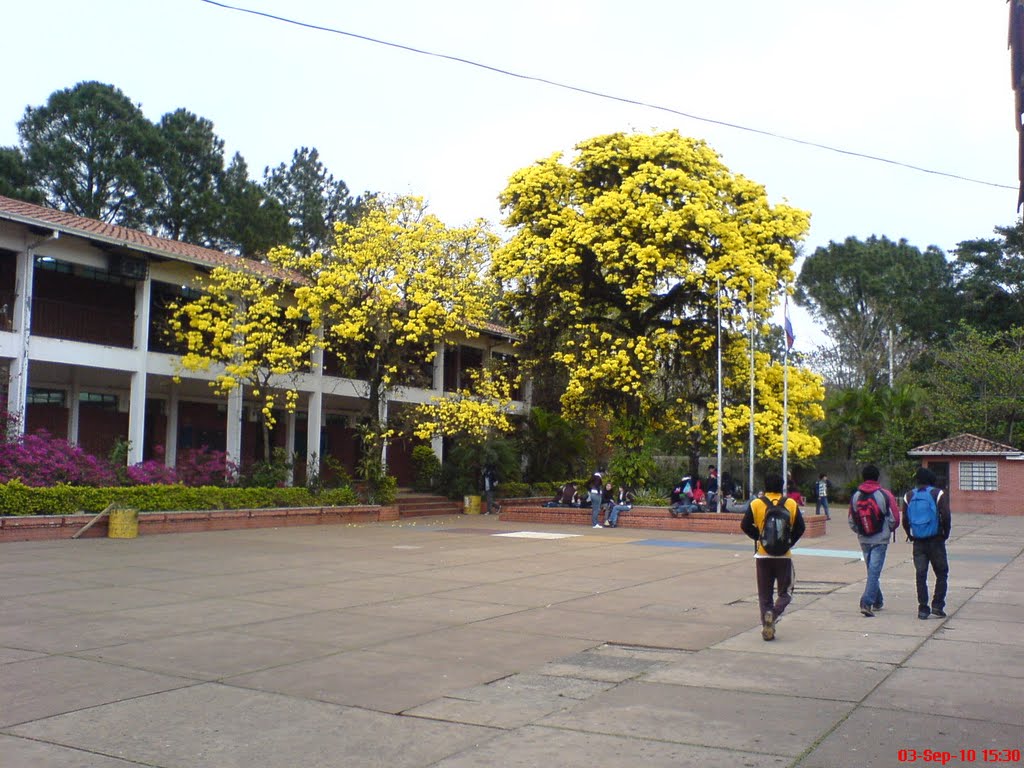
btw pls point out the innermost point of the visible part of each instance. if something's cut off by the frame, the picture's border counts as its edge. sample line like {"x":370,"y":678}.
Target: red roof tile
{"x":36,"y":215}
{"x":964,"y":444}
{"x":68,"y":223}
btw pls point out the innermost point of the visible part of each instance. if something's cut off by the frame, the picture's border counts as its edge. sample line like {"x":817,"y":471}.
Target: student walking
{"x":822,"y":493}
{"x":873,"y":518}
{"x":775,"y":524}
{"x":927,"y":521}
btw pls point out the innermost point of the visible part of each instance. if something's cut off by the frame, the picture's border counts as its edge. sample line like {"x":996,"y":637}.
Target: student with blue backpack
{"x":927,"y":522}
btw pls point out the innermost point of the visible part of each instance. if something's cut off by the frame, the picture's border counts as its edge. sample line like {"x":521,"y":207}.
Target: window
{"x":979,"y":476}
{"x":99,"y":399}
{"x":45,"y":397}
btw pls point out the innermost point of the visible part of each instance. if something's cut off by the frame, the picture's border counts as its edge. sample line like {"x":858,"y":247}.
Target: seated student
{"x":622,"y":501}
{"x":699,"y":498}
{"x":682,"y":499}
{"x":566,"y":497}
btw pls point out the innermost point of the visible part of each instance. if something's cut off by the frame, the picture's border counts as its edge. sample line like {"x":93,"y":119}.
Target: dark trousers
{"x":931,"y":552}
{"x":772,"y":571}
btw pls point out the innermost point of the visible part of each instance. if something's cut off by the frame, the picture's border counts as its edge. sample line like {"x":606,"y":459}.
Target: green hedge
{"x":19,"y":499}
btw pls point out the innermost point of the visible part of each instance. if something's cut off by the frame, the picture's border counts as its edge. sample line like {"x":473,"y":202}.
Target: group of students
{"x":600,"y":496}
{"x":776,"y":524}
{"x":689,"y":496}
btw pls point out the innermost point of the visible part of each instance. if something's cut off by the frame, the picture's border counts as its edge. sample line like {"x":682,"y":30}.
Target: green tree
{"x":977,"y":385}
{"x":882,"y":302}
{"x":252,"y":222}
{"x":15,"y":179}
{"x":191,"y":169}
{"x":990,"y":279}
{"x":554,"y":448}
{"x":93,"y":153}
{"x":621,"y":258}
{"x":312,"y":198}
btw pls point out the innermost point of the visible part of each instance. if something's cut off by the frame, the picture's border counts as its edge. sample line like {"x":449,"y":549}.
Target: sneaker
{"x":876,"y":608}
{"x":867,"y":611}
{"x":938,"y":612}
{"x":598,"y":526}
{"x":607,"y":524}
{"x":922,"y":615}
{"x":768,"y":630}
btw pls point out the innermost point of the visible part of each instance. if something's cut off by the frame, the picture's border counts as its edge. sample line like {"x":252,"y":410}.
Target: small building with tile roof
{"x":980,"y":475}
{"x":82,"y":355}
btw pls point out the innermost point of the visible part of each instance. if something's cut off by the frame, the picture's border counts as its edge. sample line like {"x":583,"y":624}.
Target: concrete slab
{"x":42,"y":687}
{"x":815,"y":642}
{"x":511,"y":702}
{"x":996,"y":659}
{"x":891,"y":732}
{"x":210,"y":655}
{"x":379,"y":681}
{"x":304,"y":622}
{"x":972,"y":696}
{"x":790,"y":676}
{"x":241,"y":729}
{"x":703,"y":717}
{"x":531,"y":746}
{"x":985,"y":631}
{"x":28,"y":752}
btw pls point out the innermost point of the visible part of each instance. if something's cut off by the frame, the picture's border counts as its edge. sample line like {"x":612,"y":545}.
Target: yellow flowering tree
{"x":245,"y":328}
{"x":476,"y":412}
{"x":621,"y":258}
{"x":394,"y":285}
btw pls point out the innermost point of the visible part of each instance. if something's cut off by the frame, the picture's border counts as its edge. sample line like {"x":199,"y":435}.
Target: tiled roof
{"x":68,"y":223}
{"x":964,"y":445}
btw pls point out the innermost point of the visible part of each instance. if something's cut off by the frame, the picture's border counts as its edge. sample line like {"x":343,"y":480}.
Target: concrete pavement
{"x":464,"y":641}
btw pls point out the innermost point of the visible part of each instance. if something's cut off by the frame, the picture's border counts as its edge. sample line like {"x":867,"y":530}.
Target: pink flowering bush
{"x":42,"y":460}
{"x":203,"y":466}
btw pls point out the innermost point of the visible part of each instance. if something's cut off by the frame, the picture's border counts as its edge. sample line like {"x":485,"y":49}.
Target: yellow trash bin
{"x":471,"y":505}
{"x":123,"y":524}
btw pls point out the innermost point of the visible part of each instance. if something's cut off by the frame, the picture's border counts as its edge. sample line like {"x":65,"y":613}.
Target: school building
{"x":83,"y":355}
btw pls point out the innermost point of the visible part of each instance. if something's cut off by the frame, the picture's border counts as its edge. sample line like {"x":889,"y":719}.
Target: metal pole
{"x":718,"y":466}
{"x":750,"y":468}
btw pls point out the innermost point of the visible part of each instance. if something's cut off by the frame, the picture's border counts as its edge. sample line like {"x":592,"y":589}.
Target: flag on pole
{"x":790,"y":338}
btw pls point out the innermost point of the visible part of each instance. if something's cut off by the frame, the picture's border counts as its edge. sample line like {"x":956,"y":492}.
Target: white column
{"x":439,"y":368}
{"x":137,"y":407}
{"x":171,"y":435}
{"x":437,"y":443}
{"x":314,"y":423}
{"x":234,"y":426}
{"x":74,"y":407}
{"x":289,"y":443}
{"x":315,"y":414}
{"x":17,"y":388}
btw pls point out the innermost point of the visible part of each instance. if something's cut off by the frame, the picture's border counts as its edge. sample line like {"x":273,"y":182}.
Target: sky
{"x":924,"y":83}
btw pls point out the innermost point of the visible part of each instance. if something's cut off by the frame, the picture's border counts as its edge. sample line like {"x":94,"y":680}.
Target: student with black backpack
{"x":927,"y":521}
{"x":775,"y":524}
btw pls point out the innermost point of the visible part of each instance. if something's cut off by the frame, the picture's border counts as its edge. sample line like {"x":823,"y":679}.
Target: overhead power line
{"x":607,"y":96}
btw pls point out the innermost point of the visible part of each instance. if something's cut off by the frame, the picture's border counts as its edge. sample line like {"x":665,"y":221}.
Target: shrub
{"x":426,"y":468}
{"x":16,"y":498}
{"x":41,"y":460}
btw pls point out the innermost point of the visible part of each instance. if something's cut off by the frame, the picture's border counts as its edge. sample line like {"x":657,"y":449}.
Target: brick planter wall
{"x":44,"y":527}
{"x":656,"y":518}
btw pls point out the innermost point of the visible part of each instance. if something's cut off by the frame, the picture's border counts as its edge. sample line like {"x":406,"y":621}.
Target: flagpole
{"x":718,"y":465}
{"x":785,"y":397}
{"x":750,"y":468}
